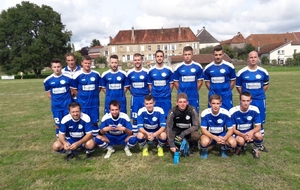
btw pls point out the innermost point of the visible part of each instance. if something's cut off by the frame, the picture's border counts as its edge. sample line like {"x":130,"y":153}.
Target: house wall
{"x":204,"y":45}
{"x":282,"y":53}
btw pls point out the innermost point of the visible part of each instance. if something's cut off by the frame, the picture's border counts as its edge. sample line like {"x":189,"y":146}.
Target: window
{"x":282,"y":52}
{"x":278,"y":52}
{"x":158,"y":47}
{"x":173,"y":47}
{"x":142,"y":48}
{"x":295,"y":51}
{"x":106,"y":53}
{"x":149,"y":57}
{"x":128,"y":57}
{"x":123,"y":58}
{"x":134,"y":48}
{"x":149,"y":48}
{"x":113,"y":49}
{"x":128,"y":48}
{"x":165,"y":47}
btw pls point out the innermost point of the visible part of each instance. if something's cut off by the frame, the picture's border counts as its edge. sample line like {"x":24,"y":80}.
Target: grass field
{"x":27,"y":161}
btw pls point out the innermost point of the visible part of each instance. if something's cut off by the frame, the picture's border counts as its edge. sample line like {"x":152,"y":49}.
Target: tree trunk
{"x":37,"y":73}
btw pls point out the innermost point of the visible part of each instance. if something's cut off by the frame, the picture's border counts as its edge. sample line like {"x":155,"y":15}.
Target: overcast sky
{"x":99,"y":19}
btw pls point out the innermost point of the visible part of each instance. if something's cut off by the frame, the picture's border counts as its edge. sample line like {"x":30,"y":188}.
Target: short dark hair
{"x":73,"y":105}
{"x":159,"y":51}
{"x":215,"y":97}
{"x":138,"y":55}
{"x":218,"y":48}
{"x":70,"y":54}
{"x":114,"y":103}
{"x":148,"y":97}
{"x":246,"y":93}
{"x":55,"y":60}
{"x":182,"y":95}
{"x":86,"y":57}
{"x":114,"y":56}
{"x":187,"y":48}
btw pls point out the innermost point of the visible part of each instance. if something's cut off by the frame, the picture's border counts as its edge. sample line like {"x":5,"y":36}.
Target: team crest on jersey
{"x":187,"y":117}
{"x":220,"y":121}
{"x":142,"y":77}
{"x":154,"y":119}
{"x":222,"y":71}
{"x":164,"y":74}
{"x":258,"y":76}
{"x":119,"y":78}
{"x":93,"y":79}
{"x":80,"y":126}
{"x":193,"y":70}
{"x":82,"y":79}
{"x":249,"y":118}
{"x":62,"y":82}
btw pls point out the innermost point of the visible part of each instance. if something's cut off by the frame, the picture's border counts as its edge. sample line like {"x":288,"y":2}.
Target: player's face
{"x":137,"y":62}
{"x":114,"y":110}
{"x":86,"y":65}
{"x":56,"y":67}
{"x":182,"y":103}
{"x":215,"y":106}
{"x":159,"y":58}
{"x":253,"y":58}
{"x":218,"y":55}
{"x":71,"y":62}
{"x":245,"y":102}
{"x":75,"y":112}
{"x":188,"y":55}
{"x":113,"y":64}
{"x":149,"y":104}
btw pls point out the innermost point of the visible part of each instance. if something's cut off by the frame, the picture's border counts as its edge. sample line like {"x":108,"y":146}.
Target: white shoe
{"x":109,"y":152}
{"x":127,"y":152}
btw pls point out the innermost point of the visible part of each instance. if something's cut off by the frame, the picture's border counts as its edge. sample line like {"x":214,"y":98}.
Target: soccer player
{"x":115,"y":84}
{"x":255,"y":80}
{"x":219,"y":77}
{"x":182,"y":122}
{"x":152,"y":126}
{"x":216,"y":127}
{"x":71,"y":67}
{"x":57,"y":87}
{"x":188,"y":77}
{"x":115,"y":129}
{"x":138,"y":88}
{"x":160,"y":81}
{"x":86,"y":86}
{"x":244,"y":118}
{"x":75,"y":132}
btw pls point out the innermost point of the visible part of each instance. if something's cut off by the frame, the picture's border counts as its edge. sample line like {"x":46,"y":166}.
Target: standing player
{"x":86,"y":86}
{"x":216,"y":127}
{"x":244,"y":117}
{"x":152,"y":126}
{"x":71,"y":67}
{"x":75,"y":132}
{"x":114,"y":85}
{"x":57,"y":86}
{"x":138,"y":88}
{"x":115,"y":129}
{"x":255,"y":80}
{"x":160,"y":81}
{"x":188,"y":77}
{"x":219,"y":77}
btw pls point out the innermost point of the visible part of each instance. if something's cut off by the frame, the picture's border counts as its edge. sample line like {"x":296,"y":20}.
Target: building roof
{"x":268,"y":48}
{"x":237,"y":39}
{"x":95,"y":49}
{"x":200,"y":58}
{"x":205,"y":37}
{"x":150,"y":36}
{"x":267,"y":39}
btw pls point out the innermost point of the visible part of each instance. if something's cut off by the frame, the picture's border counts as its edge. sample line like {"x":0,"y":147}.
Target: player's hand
{"x":67,"y":146}
{"x":173,"y":149}
{"x":150,"y":136}
{"x":120,"y":128}
{"x":74,"y":146}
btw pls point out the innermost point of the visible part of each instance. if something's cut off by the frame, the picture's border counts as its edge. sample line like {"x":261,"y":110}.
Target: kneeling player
{"x":115,"y":129}
{"x":216,"y":127}
{"x":244,"y":117}
{"x":75,"y":131}
{"x":152,"y":126}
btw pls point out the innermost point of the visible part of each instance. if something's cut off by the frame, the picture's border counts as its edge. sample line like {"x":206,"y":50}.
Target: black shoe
{"x":263,"y":148}
{"x":237,"y":151}
{"x":88,"y":156}
{"x":69,"y":156}
{"x":255,"y":154}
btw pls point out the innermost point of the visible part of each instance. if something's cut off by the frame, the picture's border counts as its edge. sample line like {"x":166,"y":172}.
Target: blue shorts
{"x":195,"y":103}
{"x":116,"y":139}
{"x":57,"y":117}
{"x":261,"y":104}
{"x":166,"y":105}
{"x":136,"y":103}
{"x":221,"y":134}
{"x":72,"y":140}
{"x":123,"y":104}
{"x":93,"y":113}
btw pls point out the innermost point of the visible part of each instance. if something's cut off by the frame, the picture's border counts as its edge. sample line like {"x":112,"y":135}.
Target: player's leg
{"x":142,"y":141}
{"x":136,"y":104}
{"x":130,"y":143}
{"x":193,"y":141}
{"x":93,"y":113}
{"x":240,"y":143}
{"x":195,"y":103}
{"x":258,"y":143}
{"x":103,"y":142}
{"x":162,"y":139}
{"x":227,"y":103}
{"x":205,"y":141}
{"x":89,"y":147}
{"x":58,"y":146}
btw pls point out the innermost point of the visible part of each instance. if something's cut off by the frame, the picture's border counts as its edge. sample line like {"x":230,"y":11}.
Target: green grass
{"x":27,"y":161}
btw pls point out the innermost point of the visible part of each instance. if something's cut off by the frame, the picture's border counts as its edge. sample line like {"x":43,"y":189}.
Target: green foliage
{"x":265,"y":60}
{"x":228,"y":50}
{"x":248,"y":48}
{"x":30,"y":36}
{"x":101,"y":59}
{"x":78,"y":57}
{"x":95,"y":42}
{"x":289,"y":61}
{"x":207,"y":50}
{"x":274,"y":61}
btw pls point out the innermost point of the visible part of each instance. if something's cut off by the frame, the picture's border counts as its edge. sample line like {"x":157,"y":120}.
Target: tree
{"x":207,"y":50}
{"x":30,"y":36}
{"x":248,"y":48}
{"x":84,"y":51}
{"x":78,"y":57}
{"x":101,"y":59}
{"x":265,"y":60}
{"x":95,"y":42}
{"x":228,"y":50}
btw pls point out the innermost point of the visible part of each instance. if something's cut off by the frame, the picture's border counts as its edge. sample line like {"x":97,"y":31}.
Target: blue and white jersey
{"x":253,"y":81}
{"x":59,"y":88}
{"x":153,"y":121}
{"x":188,"y":76}
{"x":75,"y":129}
{"x":219,"y":76}
{"x":67,"y":70}
{"x":87,"y":85}
{"x":245,"y":121}
{"x":138,"y":82}
{"x":160,"y":79}
{"x":122,"y":120}
{"x":216,"y":124}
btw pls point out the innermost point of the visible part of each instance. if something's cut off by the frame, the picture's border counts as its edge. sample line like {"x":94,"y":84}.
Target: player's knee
{"x":140,"y":135}
{"x":132,"y":141}
{"x":205,"y":141}
{"x":163,"y":136}
{"x":232,"y":142}
{"x":240,"y":140}
{"x":258,"y":136}
{"x":57,"y":146}
{"x":90,"y":144}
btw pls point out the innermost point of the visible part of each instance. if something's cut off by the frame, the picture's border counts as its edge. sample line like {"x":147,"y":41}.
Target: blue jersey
{"x":153,"y":121}
{"x":245,"y":121}
{"x":122,"y":120}
{"x":219,"y":76}
{"x":67,"y":70}
{"x":188,"y":76}
{"x":87,"y":85}
{"x":216,"y":124}
{"x":75,"y":130}
{"x":59,"y":88}
{"x":253,"y":81}
{"x":160,"y":79}
{"x":138,"y":82}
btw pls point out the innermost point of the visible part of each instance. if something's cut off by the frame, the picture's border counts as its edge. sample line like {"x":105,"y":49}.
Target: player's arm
{"x":232,"y":84}
{"x":104,"y":90}
{"x":84,"y":139}
{"x":142,"y":130}
{"x":256,"y":129}
{"x":170,"y":122}
{"x":48,"y":93}
{"x":238,"y":133}
{"x":239,"y":89}
{"x":74,"y":92}
{"x":195,"y":125}
{"x":105,"y":130}
{"x":159,"y":131}
{"x":207,"y":84}
{"x":126,"y":89}
{"x":171,"y":85}
{"x":228,"y":133}
{"x":62,"y":139}
{"x":205,"y":132}
{"x":199,"y":84}
{"x":176,"y":84}
{"x":266,"y":87}
{"x":150,"y":87}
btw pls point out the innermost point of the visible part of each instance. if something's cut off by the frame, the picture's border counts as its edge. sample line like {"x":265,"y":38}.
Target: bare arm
{"x":207,"y":84}
{"x":74,"y":92}
{"x":232,"y":84}
{"x":239,"y":89}
{"x":199,"y":84}
{"x":150,"y":87}
{"x":48,"y":94}
{"x":176,"y":84}
{"x":266,"y":87}
{"x":104,"y":90}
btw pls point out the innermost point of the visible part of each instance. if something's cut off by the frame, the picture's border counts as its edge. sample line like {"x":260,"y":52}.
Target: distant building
{"x":206,"y":39}
{"x":238,"y":41}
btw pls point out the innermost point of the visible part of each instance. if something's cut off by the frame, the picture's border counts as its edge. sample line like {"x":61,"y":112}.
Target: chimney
{"x":132,"y":33}
{"x":285,"y":39}
{"x":238,"y":34}
{"x":258,"y":49}
{"x":110,"y":39}
{"x":203,"y":27}
{"x":179,"y":29}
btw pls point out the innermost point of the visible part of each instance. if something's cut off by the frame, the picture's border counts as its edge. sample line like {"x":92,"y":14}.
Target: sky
{"x":100,"y":19}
